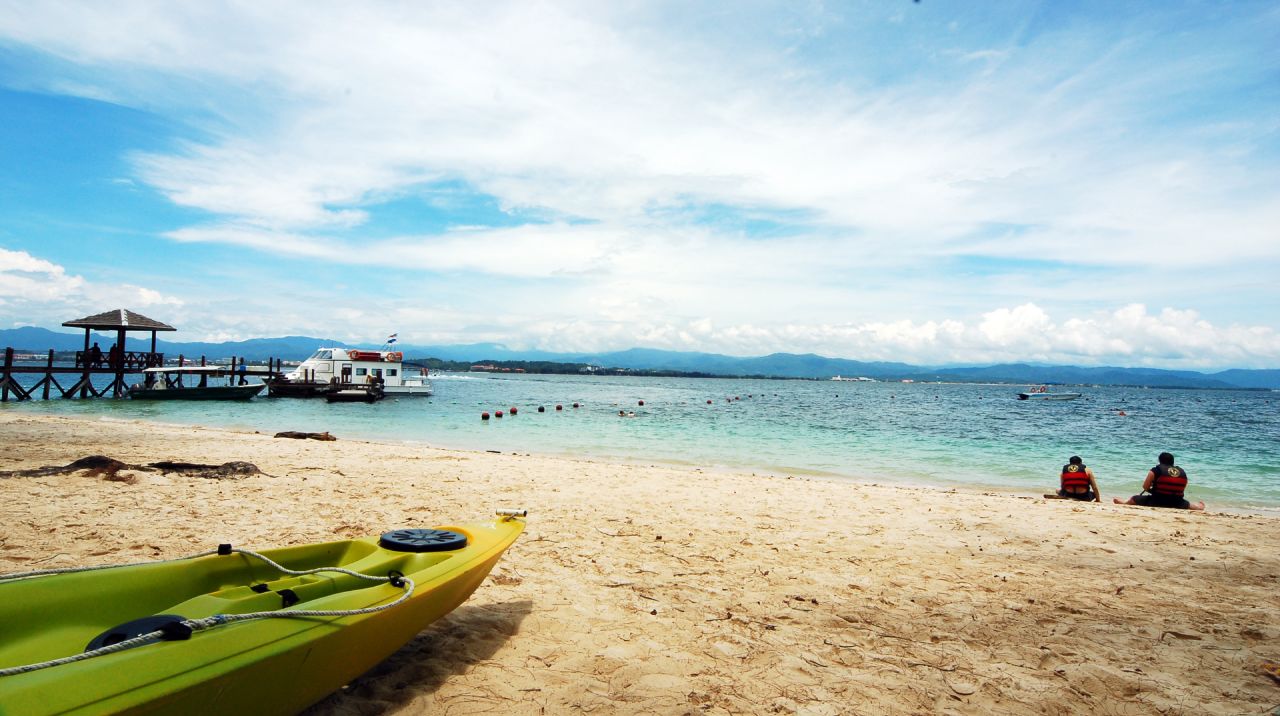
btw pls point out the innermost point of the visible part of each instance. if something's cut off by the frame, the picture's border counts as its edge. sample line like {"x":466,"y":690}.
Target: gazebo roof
{"x":120,"y":319}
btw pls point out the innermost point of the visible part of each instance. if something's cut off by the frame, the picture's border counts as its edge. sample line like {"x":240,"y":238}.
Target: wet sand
{"x":659,"y":590}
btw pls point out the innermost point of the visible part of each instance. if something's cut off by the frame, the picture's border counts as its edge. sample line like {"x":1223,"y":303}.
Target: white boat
{"x":859,"y":379}
{"x":347,"y":366}
{"x":1042,"y":392}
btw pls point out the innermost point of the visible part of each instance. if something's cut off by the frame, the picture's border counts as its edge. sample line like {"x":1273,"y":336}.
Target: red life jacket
{"x":1170,"y":481}
{"x":1074,"y":477}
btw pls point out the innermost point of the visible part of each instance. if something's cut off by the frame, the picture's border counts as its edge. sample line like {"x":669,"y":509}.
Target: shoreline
{"x":972,"y":488}
{"x":656,"y":589}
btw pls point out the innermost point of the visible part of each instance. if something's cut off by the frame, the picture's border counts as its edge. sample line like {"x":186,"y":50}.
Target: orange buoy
{"x":513,"y":410}
{"x":497,"y":414}
{"x":484,"y":416}
{"x":559,"y":407}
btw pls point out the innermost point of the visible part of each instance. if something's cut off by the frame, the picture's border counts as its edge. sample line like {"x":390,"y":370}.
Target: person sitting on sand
{"x":1078,"y":482}
{"x":1164,"y":487}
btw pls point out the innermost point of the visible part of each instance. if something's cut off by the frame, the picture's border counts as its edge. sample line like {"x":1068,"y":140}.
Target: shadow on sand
{"x":466,"y":636}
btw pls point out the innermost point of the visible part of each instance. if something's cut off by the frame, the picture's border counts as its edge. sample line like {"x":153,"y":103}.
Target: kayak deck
{"x":269,"y":665}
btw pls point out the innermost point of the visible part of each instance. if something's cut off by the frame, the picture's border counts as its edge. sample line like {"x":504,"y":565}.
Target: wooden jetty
{"x":116,"y":362}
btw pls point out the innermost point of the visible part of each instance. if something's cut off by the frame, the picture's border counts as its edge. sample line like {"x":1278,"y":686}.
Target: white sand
{"x":656,"y":590}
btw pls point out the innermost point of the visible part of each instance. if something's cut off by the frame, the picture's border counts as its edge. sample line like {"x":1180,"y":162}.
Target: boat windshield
{"x":322,"y":355}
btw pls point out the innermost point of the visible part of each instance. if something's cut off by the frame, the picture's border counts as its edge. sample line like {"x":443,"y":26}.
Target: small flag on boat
{"x":392,"y":338}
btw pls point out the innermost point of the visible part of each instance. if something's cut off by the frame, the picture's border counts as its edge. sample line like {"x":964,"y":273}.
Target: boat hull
{"x":1048,"y":396}
{"x":411,"y":391}
{"x":279,"y":388}
{"x":212,"y":392}
{"x":287,"y":389}
{"x":266,"y":666}
{"x":353,"y":396}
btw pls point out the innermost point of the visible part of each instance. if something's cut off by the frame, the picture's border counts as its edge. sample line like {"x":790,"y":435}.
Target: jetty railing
{"x":129,"y":360}
{"x":83,"y":372}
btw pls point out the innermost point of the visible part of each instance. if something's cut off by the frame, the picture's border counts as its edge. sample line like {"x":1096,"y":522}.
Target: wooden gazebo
{"x":118,"y":359}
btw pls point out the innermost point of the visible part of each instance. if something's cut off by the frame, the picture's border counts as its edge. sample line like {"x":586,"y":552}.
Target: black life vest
{"x":1074,"y":477}
{"x":1171,"y":481}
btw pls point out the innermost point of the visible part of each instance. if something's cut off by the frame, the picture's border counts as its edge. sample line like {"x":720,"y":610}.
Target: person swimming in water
{"x":1164,"y":487}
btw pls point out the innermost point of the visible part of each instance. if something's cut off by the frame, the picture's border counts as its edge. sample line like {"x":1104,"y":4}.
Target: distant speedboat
{"x":1042,"y":392}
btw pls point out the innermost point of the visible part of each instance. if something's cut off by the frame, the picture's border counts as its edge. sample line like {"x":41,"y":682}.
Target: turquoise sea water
{"x":921,"y":433}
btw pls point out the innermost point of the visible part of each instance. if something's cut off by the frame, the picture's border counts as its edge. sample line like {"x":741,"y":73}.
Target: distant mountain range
{"x":779,"y":365}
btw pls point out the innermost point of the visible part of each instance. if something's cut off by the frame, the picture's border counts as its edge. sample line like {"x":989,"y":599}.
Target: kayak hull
{"x":264,"y":666}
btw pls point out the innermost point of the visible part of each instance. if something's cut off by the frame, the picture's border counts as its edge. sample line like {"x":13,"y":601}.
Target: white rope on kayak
{"x":194,"y":625}
{"x":70,"y":570}
{"x":276,"y":565}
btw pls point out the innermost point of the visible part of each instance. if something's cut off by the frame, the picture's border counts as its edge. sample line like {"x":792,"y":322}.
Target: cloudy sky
{"x":932,"y":182}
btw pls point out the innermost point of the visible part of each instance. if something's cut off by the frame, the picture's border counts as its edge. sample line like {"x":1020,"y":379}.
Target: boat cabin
{"x":350,"y":366}
{"x":353,"y":366}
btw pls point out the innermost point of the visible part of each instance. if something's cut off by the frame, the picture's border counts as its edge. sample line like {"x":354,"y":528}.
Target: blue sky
{"x":1093,"y":183}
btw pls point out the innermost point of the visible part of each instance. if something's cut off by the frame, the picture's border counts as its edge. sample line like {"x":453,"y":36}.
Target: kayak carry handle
{"x":511,"y":514}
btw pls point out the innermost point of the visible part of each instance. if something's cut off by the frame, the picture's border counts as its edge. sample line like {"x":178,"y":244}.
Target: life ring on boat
{"x":394,"y":357}
{"x":422,"y":540}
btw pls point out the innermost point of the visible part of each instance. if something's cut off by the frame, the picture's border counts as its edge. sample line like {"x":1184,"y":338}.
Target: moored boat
{"x":233,"y":631}
{"x":339,"y":393}
{"x":170,"y":383}
{"x":313,"y":377}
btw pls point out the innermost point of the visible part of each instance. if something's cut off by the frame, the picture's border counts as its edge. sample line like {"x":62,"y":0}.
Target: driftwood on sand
{"x":306,"y":436}
{"x":107,"y":467}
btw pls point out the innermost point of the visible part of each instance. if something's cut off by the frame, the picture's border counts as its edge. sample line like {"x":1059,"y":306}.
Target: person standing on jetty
{"x":1164,"y":487}
{"x":1078,"y":482}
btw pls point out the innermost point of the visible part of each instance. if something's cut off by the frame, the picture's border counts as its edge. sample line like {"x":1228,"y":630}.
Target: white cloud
{"x":598,"y":113}
{"x":38,"y":292}
{"x":1125,"y":336}
{"x":27,"y":279}
{"x":912,"y":204}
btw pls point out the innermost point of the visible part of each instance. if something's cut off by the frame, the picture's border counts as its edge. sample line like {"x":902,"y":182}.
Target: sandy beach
{"x":661,"y":590}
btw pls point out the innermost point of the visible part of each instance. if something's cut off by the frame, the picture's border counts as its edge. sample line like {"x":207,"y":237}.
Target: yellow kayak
{"x":232,"y":631}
